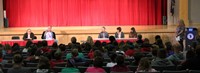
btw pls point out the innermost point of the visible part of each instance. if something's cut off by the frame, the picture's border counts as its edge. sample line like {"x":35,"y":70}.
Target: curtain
{"x":36,"y":13}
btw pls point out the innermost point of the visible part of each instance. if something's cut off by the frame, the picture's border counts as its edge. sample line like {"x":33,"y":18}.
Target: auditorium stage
{"x":64,"y":34}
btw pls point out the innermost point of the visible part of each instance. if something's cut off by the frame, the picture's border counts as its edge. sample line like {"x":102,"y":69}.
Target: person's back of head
{"x":113,"y":57}
{"x":55,"y":45}
{"x":138,"y":56}
{"x":168,"y":45}
{"x":28,"y":43}
{"x":97,"y":53}
{"x":112,"y":39}
{"x":44,"y":43}
{"x":120,"y":60}
{"x":162,"y":53}
{"x":43,"y":63}
{"x":74,"y":52}
{"x":177,"y":48}
{"x":62,"y":47}
{"x":73,"y":40}
{"x":98,"y":61}
{"x":139,"y":37}
{"x":144,"y":64}
{"x":157,"y":37}
{"x":17,"y":58}
{"x":90,"y":40}
{"x":58,"y":54}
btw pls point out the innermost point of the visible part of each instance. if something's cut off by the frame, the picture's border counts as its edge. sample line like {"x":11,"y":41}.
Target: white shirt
{"x":111,"y":64}
{"x":119,"y":35}
{"x":29,"y":37}
{"x":49,"y":36}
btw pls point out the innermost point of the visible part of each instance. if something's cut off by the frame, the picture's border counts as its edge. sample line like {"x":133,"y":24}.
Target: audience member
{"x":120,"y":67}
{"x":161,"y":59}
{"x":113,"y":61}
{"x":71,"y":68}
{"x":130,"y":52}
{"x":193,"y":63}
{"x":169,"y":48}
{"x":73,"y":43}
{"x":139,"y":40}
{"x":146,"y":46}
{"x":44,"y":66}
{"x":137,"y":57}
{"x":17,"y":66}
{"x":145,"y":66}
{"x":177,"y":57}
{"x":119,"y":33}
{"x":77,"y":56}
{"x":97,"y":68}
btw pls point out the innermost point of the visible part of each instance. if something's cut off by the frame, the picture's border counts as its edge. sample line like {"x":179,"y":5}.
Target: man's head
{"x":28,"y":31}
{"x":103,"y":28}
{"x":49,"y":28}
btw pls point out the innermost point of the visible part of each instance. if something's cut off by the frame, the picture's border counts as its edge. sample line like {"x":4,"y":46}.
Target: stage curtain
{"x":36,"y":13}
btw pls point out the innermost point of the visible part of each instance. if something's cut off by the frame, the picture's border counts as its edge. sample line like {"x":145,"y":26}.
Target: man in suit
{"x":103,"y":33}
{"x":119,"y":33}
{"x":48,"y":34}
{"x":29,"y":35}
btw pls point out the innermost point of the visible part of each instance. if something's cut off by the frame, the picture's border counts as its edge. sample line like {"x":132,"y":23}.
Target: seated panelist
{"x":29,"y":35}
{"x":48,"y":34}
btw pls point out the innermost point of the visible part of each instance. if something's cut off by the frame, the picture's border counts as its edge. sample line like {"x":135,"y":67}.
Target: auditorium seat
{"x":194,"y":71}
{"x":107,"y":69}
{"x":133,"y":68}
{"x":149,"y":72}
{"x":31,"y":64}
{"x":15,"y":38}
{"x":123,"y":72}
{"x":178,"y":71}
{"x":82,"y":69}
{"x":161,"y":68}
{"x":58,"y":69}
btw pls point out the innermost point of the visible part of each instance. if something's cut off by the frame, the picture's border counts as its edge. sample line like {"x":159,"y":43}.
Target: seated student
{"x":133,"y":33}
{"x":177,"y":56}
{"x":113,"y":62}
{"x":120,"y":67}
{"x":137,"y":57}
{"x":130,"y":52}
{"x":161,"y":59}
{"x":58,"y":58}
{"x":71,"y":68}
{"x":77,"y":56}
{"x":29,"y":35}
{"x":17,"y":66}
{"x":194,"y":62}
{"x":119,"y":33}
{"x":103,"y":33}
{"x":73,"y":43}
{"x":139,"y":40}
{"x":97,"y":68}
{"x":146,"y":46}
{"x":145,"y":66}
{"x":44,"y":66}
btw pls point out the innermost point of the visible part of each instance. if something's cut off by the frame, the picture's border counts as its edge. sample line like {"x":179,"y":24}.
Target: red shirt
{"x":130,"y":52}
{"x":118,"y":68}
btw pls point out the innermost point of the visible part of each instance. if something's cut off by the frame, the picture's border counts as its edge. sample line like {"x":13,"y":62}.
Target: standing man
{"x":48,"y":34}
{"x":103,"y":33}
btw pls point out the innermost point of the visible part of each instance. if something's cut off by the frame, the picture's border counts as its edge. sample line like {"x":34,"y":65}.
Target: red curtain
{"x":35,"y":13}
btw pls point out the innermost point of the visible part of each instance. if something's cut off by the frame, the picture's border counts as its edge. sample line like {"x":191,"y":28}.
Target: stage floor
{"x":64,"y":34}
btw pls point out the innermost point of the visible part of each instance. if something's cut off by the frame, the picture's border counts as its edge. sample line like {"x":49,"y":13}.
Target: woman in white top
{"x":145,"y":66}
